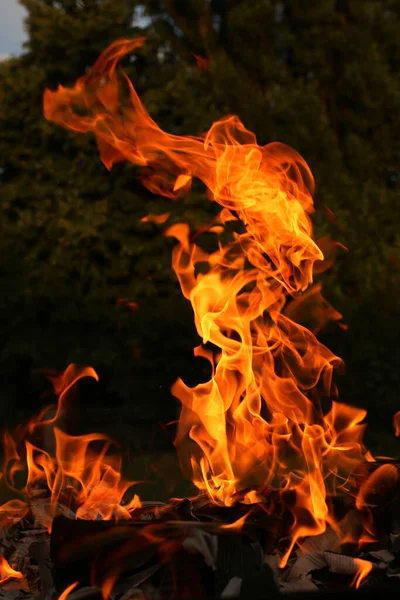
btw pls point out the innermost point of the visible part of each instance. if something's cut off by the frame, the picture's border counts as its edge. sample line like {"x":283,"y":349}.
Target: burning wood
{"x":186,"y":542}
{"x":289,"y":497}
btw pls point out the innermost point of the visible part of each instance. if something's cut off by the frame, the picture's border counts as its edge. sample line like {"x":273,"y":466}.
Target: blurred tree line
{"x":319,"y":76}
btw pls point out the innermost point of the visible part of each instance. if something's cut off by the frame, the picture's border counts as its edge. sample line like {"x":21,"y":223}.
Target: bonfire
{"x":289,"y":498}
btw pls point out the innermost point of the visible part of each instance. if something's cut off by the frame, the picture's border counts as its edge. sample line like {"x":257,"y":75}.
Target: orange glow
{"x":396,"y":423}
{"x":258,"y":422}
{"x":67,"y":591}
{"x":93,"y":477}
{"x":202,"y":62}
{"x":364,"y":568}
{"x":7,"y":572}
{"x":108,"y":585}
{"x":377,"y":486}
{"x":311,"y":309}
{"x":11,"y":512}
{"x":368,"y":457}
{"x":127,"y":304}
{"x":237,"y":525}
{"x":158,"y":219}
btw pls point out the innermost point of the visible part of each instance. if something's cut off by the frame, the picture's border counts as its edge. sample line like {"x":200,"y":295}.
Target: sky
{"x":12,"y":33}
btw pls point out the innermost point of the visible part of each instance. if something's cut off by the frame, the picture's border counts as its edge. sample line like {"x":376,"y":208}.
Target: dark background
{"x":319,"y":76}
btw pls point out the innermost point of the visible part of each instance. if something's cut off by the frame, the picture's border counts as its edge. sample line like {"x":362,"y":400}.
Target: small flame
{"x":158,"y":219}
{"x":67,"y":591}
{"x":237,"y":525}
{"x":108,"y":586}
{"x":93,"y":477}
{"x":182,"y":182}
{"x":364,"y":568}
{"x":7,"y":572}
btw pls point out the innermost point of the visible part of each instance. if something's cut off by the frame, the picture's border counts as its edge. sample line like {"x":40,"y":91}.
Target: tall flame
{"x":258,"y":422}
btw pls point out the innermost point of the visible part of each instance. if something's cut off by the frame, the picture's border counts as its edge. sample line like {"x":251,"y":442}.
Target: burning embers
{"x":255,"y":435}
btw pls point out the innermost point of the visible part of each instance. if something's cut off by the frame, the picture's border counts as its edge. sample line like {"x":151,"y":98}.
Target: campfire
{"x":289,"y":498}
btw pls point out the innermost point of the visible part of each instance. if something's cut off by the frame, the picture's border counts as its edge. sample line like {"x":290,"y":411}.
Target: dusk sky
{"x":12,"y":34}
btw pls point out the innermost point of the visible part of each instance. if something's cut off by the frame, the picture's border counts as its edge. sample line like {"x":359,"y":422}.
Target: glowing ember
{"x":258,"y":423}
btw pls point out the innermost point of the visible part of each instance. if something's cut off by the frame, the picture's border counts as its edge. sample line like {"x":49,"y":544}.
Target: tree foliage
{"x":317,"y":76}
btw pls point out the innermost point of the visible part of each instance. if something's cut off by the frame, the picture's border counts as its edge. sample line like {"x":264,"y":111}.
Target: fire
{"x":7,"y":572}
{"x":396,"y":422}
{"x":258,"y":422}
{"x":91,"y":478}
{"x":68,"y":590}
{"x":364,"y":568}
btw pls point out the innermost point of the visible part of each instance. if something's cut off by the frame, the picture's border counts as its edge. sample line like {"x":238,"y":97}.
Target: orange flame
{"x":7,"y":572}
{"x":396,"y":423}
{"x":381,"y":482}
{"x":364,"y":568}
{"x":93,"y":477}
{"x":311,"y":309}
{"x":158,"y":219}
{"x":259,"y":421}
{"x":67,"y":591}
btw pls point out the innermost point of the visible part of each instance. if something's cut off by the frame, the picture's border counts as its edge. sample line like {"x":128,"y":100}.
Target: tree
{"x":72,"y":244}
